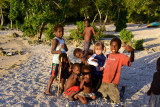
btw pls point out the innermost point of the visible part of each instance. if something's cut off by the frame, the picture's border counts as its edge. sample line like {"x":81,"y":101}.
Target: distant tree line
{"x":32,"y":16}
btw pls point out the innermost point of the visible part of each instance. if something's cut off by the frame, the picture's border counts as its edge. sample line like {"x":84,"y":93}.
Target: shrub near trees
{"x":127,"y":37}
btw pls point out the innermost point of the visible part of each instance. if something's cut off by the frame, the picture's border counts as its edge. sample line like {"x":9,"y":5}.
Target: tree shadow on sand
{"x":137,"y":79}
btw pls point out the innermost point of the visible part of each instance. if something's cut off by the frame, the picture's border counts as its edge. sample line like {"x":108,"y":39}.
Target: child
{"x":97,"y":60}
{"x":88,"y":31}
{"x":58,"y":47}
{"x":65,"y":69}
{"x":154,"y":91}
{"x":79,"y":53}
{"x":111,"y":73}
{"x":72,"y":83}
{"x":86,"y":85}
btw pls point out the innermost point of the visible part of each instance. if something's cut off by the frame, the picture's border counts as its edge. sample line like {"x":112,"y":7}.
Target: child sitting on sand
{"x":112,"y":70}
{"x":65,"y":69}
{"x":154,"y":91}
{"x":88,"y":31}
{"x":58,"y":47}
{"x":72,"y":83}
{"x":79,"y":53}
{"x":86,"y":85}
{"x":97,"y":61}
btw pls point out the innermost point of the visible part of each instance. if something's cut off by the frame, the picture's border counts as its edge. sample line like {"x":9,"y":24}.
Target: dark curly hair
{"x":58,"y":26}
{"x":76,"y":65}
{"x":86,"y":67}
{"x":116,"y":40}
{"x":88,"y":20}
{"x":76,"y":51}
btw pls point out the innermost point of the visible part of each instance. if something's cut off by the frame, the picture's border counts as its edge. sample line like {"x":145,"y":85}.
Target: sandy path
{"x":24,"y":87}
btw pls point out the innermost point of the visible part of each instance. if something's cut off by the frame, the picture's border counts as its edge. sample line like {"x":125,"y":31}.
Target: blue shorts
{"x":54,"y":70}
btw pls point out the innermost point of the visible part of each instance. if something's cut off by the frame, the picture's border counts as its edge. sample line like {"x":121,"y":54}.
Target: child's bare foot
{"x":48,"y":93}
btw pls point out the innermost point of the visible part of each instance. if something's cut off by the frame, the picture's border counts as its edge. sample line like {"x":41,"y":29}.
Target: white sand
{"x":25,"y":86}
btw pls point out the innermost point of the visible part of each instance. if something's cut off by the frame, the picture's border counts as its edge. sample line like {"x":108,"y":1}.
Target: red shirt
{"x":114,"y":63}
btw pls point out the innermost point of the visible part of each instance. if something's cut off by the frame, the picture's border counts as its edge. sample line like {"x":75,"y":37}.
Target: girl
{"x":154,"y":91}
{"x":97,"y":61}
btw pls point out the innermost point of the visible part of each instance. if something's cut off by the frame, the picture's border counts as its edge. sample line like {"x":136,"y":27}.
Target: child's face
{"x":87,"y":74}
{"x":76,"y":70}
{"x":114,"y":47}
{"x":98,"y":51}
{"x":59,"y":32}
{"x":87,"y":23}
{"x":79,"y":55}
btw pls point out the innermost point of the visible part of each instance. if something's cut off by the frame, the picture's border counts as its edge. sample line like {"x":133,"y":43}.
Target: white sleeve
{"x":90,"y":62}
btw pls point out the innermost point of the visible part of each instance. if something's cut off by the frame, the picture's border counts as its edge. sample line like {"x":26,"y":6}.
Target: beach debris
{"x":13,"y":34}
{"x":2,"y":53}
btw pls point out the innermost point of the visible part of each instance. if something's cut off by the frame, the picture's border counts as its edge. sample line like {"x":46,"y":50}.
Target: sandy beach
{"x":23,"y":84}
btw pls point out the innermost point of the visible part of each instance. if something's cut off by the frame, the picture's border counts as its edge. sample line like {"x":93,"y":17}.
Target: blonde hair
{"x":98,"y":45}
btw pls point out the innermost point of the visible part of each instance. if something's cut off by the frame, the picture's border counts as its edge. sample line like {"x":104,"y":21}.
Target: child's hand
{"x":128,"y":48}
{"x":59,"y":51}
{"x":95,"y":60}
{"x":63,"y":46}
{"x":70,"y":69}
{"x":101,"y":68}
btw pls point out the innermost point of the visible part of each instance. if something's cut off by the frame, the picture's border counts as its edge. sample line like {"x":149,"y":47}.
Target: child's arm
{"x":54,"y":45}
{"x":82,"y":83}
{"x":130,"y":49}
{"x":81,"y":33}
{"x":95,"y":35}
{"x":91,"y":61}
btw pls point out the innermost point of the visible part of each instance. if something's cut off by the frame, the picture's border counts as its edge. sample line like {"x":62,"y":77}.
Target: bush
{"x":138,"y":44}
{"x":49,"y":33}
{"x":81,"y":26}
{"x":126,"y":36}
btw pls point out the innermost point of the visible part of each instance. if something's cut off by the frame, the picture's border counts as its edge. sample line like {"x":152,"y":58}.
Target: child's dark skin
{"x":55,"y":43}
{"x":114,"y":48}
{"x":72,"y":80}
{"x":81,"y":54}
{"x":88,"y":32}
{"x":86,"y":85}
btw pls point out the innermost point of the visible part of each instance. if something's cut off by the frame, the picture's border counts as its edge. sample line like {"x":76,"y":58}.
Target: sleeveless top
{"x":56,"y":56}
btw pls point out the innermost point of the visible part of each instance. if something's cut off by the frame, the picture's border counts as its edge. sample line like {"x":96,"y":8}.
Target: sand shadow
{"x":138,"y":75}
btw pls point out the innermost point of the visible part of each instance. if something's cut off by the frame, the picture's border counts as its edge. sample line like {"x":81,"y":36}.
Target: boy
{"x":111,"y":73}
{"x":58,"y":47}
{"x":86,"y":85}
{"x":88,"y":31}
{"x":65,"y":69}
{"x":72,"y":83}
{"x":79,"y":53}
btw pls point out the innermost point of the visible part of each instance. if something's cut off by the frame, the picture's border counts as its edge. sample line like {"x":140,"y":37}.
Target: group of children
{"x":96,"y":72}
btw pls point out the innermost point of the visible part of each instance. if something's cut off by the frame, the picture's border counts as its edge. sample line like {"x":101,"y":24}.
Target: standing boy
{"x":58,"y":47}
{"x":88,"y":31}
{"x":112,"y":70}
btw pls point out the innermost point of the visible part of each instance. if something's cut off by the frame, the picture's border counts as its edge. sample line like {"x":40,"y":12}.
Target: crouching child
{"x":72,"y":84}
{"x":86,"y":86}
